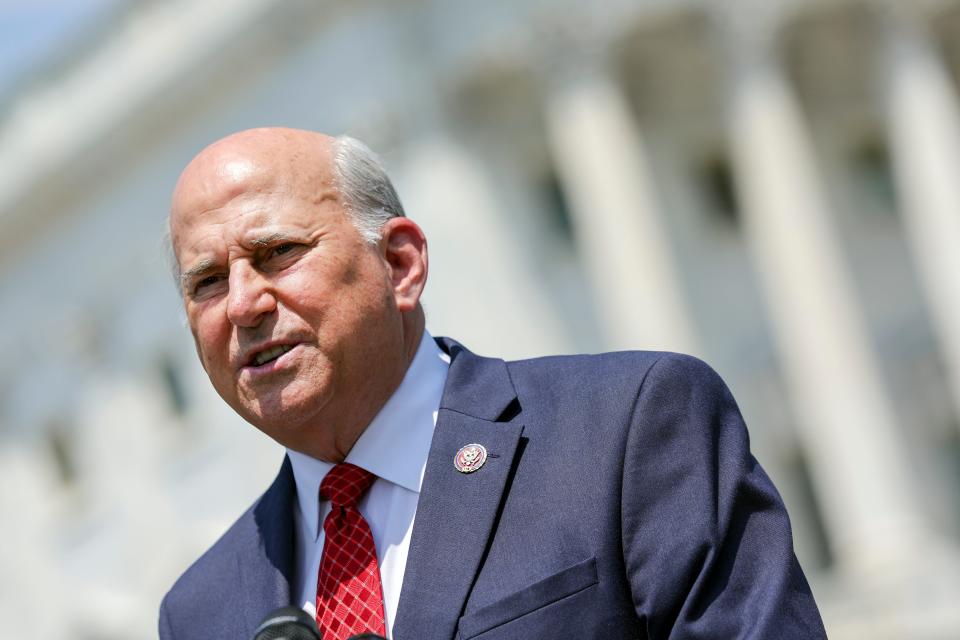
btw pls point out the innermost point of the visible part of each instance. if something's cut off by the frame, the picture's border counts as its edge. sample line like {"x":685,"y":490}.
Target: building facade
{"x":769,"y":185}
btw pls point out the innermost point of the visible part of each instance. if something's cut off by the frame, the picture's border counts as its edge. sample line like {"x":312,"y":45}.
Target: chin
{"x":286,"y":416}
{"x":284,"y":408}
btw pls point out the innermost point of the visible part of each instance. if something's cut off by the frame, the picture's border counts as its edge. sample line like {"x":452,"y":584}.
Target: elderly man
{"x":431,"y":493}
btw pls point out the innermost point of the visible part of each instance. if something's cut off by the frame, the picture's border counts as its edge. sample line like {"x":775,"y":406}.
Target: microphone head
{"x":287,"y":623}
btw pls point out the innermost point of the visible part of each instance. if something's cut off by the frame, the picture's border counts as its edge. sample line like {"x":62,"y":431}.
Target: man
{"x":609,"y":496}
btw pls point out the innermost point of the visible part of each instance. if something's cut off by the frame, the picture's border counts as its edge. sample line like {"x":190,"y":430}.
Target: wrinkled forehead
{"x":218,"y":177}
{"x":206,"y":185}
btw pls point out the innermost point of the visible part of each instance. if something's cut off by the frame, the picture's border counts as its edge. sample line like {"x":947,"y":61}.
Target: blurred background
{"x":772,"y":185}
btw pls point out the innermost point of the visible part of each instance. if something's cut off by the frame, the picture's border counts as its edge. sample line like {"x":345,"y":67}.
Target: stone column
{"x":481,"y":289}
{"x":923,"y":120}
{"x":603,"y":166}
{"x":847,"y":423}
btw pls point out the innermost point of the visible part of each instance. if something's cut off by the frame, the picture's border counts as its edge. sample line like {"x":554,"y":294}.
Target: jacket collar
{"x":477,"y":386}
{"x":266,"y":563}
{"x":457,"y":512}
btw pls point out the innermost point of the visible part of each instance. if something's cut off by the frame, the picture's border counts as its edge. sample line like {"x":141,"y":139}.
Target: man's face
{"x":292,"y":312}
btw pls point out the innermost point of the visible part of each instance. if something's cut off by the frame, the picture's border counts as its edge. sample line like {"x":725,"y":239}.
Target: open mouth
{"x":271,"y":354}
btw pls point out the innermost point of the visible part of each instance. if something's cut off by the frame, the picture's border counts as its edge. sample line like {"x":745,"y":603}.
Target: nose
{"x":250,"y":297}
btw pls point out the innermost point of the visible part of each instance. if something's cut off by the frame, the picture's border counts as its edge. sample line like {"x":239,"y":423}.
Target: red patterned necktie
{"x":349,"y":596}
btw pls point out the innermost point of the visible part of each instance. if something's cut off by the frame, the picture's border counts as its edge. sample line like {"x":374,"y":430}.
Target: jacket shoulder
{"x":200,"y":589}
{"x":208,"y":590}
{"x":606,"y":391}
{"x":605,"y":371}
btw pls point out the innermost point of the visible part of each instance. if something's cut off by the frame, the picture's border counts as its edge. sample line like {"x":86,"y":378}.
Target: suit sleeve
{"x":164,"y":629}
{"x":707,"y":542}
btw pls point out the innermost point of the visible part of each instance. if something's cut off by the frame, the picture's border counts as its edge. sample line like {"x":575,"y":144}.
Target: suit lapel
{"x":266,"y":561}
{"x":456,"y":513}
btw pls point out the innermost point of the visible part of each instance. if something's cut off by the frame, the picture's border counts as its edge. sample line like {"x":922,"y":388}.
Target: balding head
{"x":301,"y":282}
{"x":340,"y":165}
{"x":228,"y":164}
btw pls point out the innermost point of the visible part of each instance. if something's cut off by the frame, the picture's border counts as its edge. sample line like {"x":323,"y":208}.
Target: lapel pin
{"x":470,"y":458}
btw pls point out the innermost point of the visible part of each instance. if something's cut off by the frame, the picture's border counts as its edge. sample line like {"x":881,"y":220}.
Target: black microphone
{"x":287,"y":623}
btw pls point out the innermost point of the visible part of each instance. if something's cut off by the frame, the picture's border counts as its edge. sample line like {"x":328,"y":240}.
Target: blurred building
{"x":773,"y":186}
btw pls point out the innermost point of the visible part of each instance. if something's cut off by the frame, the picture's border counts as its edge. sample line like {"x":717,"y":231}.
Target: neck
{"x":414,"y":324}
{"x":366,"y":408}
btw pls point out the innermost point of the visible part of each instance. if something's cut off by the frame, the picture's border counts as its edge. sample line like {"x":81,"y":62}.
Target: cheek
{"x":209,"y":336}
{"x":313,"y":291}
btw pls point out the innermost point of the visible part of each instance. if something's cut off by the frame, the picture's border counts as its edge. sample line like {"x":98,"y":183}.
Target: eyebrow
{"x":205,"y":265}
{"x":208,"y":264}
{"x":269,"y":239}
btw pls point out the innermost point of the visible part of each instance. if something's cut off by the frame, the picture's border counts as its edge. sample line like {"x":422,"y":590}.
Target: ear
{"x":404,"y":248}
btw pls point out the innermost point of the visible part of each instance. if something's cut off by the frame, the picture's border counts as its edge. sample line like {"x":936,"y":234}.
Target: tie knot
{"x":345,"y":484}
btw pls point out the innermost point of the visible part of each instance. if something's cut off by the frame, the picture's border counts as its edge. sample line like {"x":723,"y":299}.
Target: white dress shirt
{"x":394,"y":447}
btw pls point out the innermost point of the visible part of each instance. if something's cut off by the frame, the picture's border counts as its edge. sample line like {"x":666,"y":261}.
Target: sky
{"x":32,"y":31}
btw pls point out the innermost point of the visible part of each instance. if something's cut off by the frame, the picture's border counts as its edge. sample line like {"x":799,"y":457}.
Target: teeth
{"x":271,"y":354}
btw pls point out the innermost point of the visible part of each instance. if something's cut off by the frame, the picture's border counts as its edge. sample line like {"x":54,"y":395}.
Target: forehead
{"x":230,"y":196}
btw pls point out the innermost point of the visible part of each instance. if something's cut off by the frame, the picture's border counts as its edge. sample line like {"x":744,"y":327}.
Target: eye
{"x":206,"y":283}
{"x":281,"y":255}
{"x":281,"y":249}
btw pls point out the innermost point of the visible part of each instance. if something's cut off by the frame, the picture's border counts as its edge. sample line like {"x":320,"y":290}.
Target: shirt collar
{"x":395,"y":445}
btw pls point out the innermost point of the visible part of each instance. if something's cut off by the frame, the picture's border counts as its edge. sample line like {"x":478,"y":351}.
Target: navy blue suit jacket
{"x":619,"y":500}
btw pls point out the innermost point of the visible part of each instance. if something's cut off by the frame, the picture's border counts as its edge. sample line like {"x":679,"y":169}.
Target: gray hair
{"x":366,"y":189}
